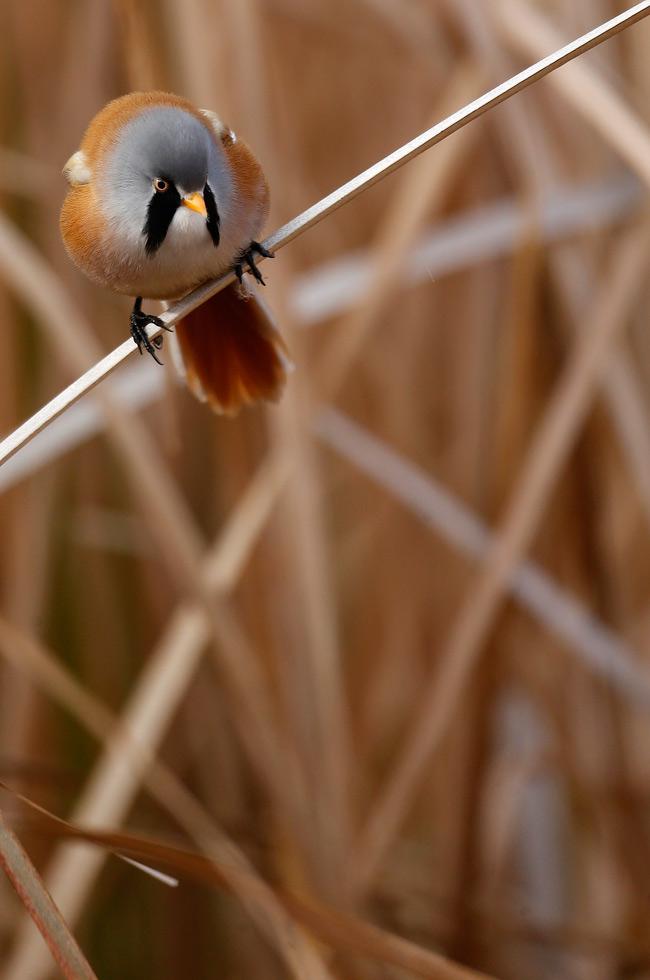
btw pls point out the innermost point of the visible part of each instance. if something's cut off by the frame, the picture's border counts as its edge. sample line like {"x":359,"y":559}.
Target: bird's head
{"x":160,"y":176}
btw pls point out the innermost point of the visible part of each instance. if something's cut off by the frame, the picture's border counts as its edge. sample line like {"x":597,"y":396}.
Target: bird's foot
{"x":139,"y":323}
{"x":248,"y":257}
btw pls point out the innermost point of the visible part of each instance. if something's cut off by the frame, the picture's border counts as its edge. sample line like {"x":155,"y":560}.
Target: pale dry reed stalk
{"x":484,"y":233}
{"x":329,"y":204}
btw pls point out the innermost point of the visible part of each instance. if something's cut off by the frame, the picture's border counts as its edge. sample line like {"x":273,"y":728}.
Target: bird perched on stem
{"x":164,"y":197}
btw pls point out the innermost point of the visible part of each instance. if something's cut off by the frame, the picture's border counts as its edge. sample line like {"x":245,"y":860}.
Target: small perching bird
{"x":164,"y":197}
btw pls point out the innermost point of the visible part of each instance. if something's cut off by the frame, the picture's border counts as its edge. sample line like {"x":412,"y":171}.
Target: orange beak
{"x":196,"y":203}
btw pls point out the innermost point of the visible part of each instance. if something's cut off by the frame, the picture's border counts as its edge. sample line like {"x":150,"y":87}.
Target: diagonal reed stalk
{"x":34,"y":896}
{"x":342,"y":195}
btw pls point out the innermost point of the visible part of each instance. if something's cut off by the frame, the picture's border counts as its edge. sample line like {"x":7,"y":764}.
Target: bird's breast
{"x":110,"y":248}
{"x":186,"y":258}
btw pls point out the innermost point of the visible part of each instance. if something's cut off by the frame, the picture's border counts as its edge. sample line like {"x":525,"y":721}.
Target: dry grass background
{"x":382,"y":647}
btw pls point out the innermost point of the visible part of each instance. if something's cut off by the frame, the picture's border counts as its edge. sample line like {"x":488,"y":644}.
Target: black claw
{"x":256,"y":247}
{"x":248,"y":256}
{"x":139,"y":323}
{"x":255,"y":272}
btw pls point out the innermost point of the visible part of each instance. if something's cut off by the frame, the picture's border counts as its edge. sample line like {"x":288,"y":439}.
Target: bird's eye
{"x":161,"y":185}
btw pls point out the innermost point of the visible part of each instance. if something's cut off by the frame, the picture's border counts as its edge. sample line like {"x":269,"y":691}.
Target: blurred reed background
{"x":383,"y":645}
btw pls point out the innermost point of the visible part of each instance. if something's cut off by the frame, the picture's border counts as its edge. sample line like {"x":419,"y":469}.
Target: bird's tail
{"x":230,"y":352}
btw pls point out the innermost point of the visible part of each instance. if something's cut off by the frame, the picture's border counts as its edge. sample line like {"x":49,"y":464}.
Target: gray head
{"x":163,"y":159}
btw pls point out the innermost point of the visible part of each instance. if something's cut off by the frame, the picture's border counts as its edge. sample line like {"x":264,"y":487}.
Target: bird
{"x":162,"y":197}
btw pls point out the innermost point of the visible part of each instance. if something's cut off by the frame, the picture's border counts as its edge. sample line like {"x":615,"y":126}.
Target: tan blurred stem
{"x":193,"y":35}
{"x":309,"y":662}
{"x":530,"y":33}
{"x":23,"y":175}
{"x":244,"y":23}
{"x":139,"y":52}
{"x":422,"y":191}
{"x":593,"y":98}
{"x":26,"y":550}
{"x":136,"y":762}
{"x":351,"y":934}
{"x":415,"y":27}
{"x":42,"y":910}
{"x":550,"y":447}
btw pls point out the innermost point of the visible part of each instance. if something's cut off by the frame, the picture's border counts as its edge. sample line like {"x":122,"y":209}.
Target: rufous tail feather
{"x":231,"y":353}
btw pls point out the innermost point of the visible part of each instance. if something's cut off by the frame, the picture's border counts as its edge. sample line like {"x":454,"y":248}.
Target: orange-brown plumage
{"x":232,"y":353}
{"x":83,"y":226}
{"x":248,"y":175}
{"x":134,"y":147}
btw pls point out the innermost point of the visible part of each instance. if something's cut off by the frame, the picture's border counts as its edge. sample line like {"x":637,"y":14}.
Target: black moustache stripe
{"x":213,"y":220}
{"x":160,"y":213}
